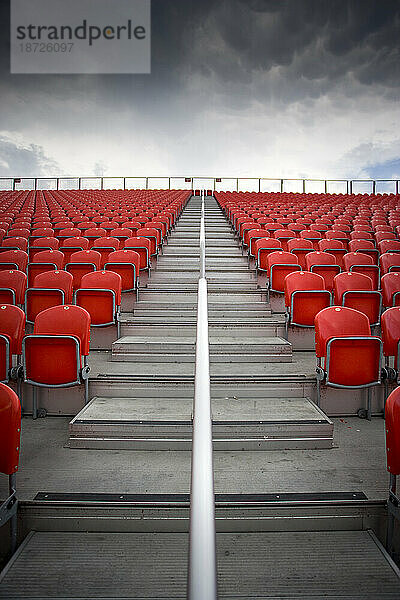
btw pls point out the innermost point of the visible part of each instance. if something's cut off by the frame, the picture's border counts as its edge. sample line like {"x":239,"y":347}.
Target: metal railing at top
{"x":202,"y":572}
{"x":242,"y":184}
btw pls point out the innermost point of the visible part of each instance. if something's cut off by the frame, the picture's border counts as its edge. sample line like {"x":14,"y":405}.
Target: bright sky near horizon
{"x":273,"y":88}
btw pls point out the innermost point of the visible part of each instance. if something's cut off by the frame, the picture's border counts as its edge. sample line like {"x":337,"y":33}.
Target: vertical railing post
{"x":202,"y":572}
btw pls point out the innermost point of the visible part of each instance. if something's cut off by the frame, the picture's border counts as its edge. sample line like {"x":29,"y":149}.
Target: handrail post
{"x":202,"y":572}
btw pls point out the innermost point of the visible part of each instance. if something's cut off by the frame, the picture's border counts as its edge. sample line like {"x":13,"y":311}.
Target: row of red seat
{"x":323,"y":284}
{"x":72,"y":278}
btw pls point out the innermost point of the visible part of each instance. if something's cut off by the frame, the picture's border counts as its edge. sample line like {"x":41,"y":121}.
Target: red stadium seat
{"x":280,"y":264}
{"x":127,"y":264}
{"x":142,"y":246}
{"x":12,"y":330}
{"x":300,"y":248}
{"x":151,"y":234}
{"x":94,"y":233}
{"x":42,"y":243}
{"x":366,"y":247}
{"x":262,"y":248}
{"x":73,"y":244}
{"x":10,"y":430}
{"x":82,"y":262}
{"x":390,"y":284}
{"x":390,"y":324}
{"x":55,"y":355}
{"x":313,"y":236}
{"x":323,"y":264}
{"x":334,"y":247}
{"x":392,"y":427}
{"x":13,"y":259}
{"x":47,"y":260}
{"x":355,"y":290}
{"x":305,"y":296}
{"x":100,"y":295}
{"x":105,"y":246}
{"x":389,"y":262}
{"x":284,"y":235}
{"x":253,"y":236}
{"x":10,"y":434}
{"x":347,"y":355}
{"x":12,"y":287}
{"x":357,"y":262}
{"x":386,"y":246}
{"x":15,"y":243}
{"x":50,"y":288}
{"x":121,"y":234}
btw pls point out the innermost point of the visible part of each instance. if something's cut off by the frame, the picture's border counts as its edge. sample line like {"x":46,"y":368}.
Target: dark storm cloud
{"x":311,"y":46}
{"x":233,"y":40}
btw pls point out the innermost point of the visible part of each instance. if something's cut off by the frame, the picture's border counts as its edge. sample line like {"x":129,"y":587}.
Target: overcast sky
{"x":273,"y":88}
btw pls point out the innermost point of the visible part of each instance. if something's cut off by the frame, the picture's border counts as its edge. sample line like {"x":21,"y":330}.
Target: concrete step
{"x":166,"y":423}
{"x":222,"y":349}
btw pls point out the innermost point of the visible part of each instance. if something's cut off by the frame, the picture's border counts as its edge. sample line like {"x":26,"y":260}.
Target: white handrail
{"x":202,"y":576}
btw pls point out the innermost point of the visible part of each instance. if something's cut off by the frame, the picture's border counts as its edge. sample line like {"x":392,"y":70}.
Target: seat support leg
{"x":369,"y":409}
{"x":34,"y":402}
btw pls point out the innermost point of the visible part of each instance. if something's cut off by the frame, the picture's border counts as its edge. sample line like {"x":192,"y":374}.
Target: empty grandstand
{"x":206,"y":380}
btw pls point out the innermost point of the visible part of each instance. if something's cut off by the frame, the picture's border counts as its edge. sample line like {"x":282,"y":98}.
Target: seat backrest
{"x":387,"y":261}
{"x":12,"y":324}
{"x":106,"y":242}
{"x":136,"y":243}
{"x":334,"y":244}
{"x":284,"y":234}
{"x":384,"y":235}
{"x":392,"y":427}
{"x":76,"y":241}
{"x":356,"y":258}
{"x":390,"y":285}
{"x":390,"y":324}
{"x":15,"y":242}
{"x":95,"y":232}
{"x":387,"y":246}
{"x":357,"y":245}
{"x":49,"y":256}
{"x":299,"y":243}
{"x":14,"y":280}
{"x":346,"y":281}
{"x":267,"y":242}
{"x":303,"y":280}
{"x":310,"y":235}
{"x":123,"y":232}
{"x":281,"y":258}
{"x":10,"y":430}
{"x":45,"y":242}
{"x":17,"y":257}
{"x":338,"y":321}
{"x":43,"y":231}
{"x":106,"y":280}
{"x":86,"y":256}
{"x":65,"y":320}
{"x":69,"y":232}
{"x":61,"y":280}
{"x":319,"y":258}
{"x":124,"y":256}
